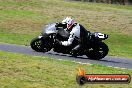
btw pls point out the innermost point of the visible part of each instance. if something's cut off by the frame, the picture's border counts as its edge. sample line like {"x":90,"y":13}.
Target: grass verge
{"x":25,"y":71}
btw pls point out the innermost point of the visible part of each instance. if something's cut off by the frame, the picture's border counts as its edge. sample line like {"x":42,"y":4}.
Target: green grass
{"x":25,"y":71}
{"x":120,"y":45}
{"x":22,"y":20}
{"x":22,"y":39}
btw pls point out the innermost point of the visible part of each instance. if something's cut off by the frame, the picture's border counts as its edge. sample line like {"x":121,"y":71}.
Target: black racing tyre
{"x":98,"y":52}
{"x":39,"y":45}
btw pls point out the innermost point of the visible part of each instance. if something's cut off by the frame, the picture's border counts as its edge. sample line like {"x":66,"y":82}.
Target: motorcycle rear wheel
{"x":98,"y":52}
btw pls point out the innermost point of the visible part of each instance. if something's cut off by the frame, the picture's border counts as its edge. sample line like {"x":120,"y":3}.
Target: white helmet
{"x":69,"y":21}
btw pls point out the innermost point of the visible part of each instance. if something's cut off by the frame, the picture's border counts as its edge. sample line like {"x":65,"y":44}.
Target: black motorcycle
{"x":96,"y":50}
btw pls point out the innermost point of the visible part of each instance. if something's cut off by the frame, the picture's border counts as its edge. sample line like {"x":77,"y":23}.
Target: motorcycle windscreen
{"x":49,"y":29}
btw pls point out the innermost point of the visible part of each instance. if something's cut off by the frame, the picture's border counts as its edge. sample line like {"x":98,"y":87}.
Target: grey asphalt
{"x":120,"y":62}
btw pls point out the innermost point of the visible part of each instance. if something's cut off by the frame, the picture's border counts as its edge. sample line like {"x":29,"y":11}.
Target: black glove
{"x":58,"y":42}
{"x":60,"y":25}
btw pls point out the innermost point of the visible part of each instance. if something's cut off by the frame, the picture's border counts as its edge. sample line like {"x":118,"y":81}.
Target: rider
{"x":77,"y":31}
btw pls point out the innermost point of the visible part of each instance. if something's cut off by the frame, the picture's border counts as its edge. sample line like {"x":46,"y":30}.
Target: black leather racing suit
{"x":81,"y":34}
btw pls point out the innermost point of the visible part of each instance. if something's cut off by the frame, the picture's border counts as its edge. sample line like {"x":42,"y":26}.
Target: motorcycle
{"x":47,"y":41}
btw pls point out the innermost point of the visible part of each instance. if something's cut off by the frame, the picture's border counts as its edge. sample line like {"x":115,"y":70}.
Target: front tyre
{"x":98,"y":52}
{"x":39,"y":45}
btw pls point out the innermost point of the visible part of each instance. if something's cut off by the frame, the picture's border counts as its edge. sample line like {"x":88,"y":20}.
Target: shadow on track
{"x":81,"y":57}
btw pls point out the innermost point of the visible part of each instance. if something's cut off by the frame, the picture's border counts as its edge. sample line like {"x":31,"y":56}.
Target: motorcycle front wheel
{"x":40,"y":45}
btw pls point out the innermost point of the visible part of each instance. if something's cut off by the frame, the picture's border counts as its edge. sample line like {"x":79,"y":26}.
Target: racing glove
{"x":60,"y":25}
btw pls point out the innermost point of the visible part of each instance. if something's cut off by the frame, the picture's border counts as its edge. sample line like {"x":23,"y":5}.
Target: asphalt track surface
{"x":117,"y":62}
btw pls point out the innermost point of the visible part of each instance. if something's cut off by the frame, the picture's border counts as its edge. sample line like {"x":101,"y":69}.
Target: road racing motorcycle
{"x":47,"y":40}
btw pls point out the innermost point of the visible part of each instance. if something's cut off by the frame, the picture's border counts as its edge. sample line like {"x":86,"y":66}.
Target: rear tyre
{"x":39,"y":45}
{"x":98,"y":52}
